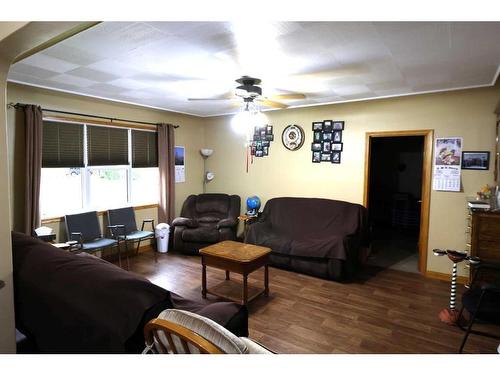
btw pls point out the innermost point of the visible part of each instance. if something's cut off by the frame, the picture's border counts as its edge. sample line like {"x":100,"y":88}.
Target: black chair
{"x":482,"y":300}
{"x":85,"y":229}
{"x":124,"y":228}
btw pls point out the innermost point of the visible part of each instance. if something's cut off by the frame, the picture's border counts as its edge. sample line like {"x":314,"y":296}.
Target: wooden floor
{"x":385,"y":311}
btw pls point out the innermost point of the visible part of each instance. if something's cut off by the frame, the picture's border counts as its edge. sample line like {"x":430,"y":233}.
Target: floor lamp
{"x":207,"y":176}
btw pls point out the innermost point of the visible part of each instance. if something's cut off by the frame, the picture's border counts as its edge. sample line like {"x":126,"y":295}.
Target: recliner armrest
{"x":226,"y":223}
{"x":185,"y":222}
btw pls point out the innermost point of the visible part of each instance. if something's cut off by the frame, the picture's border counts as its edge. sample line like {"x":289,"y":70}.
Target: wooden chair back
{"x":184,"y":336}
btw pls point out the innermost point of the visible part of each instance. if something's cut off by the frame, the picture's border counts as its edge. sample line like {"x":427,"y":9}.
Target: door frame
{"x":428,"y":135}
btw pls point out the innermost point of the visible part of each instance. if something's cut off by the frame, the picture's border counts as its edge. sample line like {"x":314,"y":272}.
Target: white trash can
{"x":162,"y":232}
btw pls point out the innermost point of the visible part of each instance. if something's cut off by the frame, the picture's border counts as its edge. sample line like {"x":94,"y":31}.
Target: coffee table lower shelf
{"x":233,"y":290}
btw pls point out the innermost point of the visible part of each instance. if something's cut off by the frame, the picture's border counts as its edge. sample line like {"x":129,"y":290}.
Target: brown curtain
{"x":166,"y":164}
{"x":33,"y":123}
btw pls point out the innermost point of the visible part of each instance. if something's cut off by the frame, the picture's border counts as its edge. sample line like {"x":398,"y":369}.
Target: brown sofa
{"x":78,"y":303}
{"x":206,"y":219}
{"x":320,"y":237}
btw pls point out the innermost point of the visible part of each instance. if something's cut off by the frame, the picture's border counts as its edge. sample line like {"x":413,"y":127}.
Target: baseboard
{"x":446,"y":277}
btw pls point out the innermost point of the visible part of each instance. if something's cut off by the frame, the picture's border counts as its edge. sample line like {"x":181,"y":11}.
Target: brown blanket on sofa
{"x":77,"y":303}
{"x":311,"y":227}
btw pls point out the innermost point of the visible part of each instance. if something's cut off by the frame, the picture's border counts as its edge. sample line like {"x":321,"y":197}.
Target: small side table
{"x":247,"y":221}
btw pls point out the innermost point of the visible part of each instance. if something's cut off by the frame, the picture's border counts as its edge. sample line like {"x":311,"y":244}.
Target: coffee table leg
{"x":266,"y":280}
{"x":204,"y":281}
{"x":227,"y":275}
{"x":245,"y":289}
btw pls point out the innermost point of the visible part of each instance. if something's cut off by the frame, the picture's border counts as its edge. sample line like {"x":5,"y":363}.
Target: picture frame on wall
{"x":315,"y":146}
{"x":265,"y":150}
{"x":337,"y":136}
{"x":269,"y":137}
{"x":326,"y":157}
{"x":327,"y":147}
{"x":316,"y":157}
{"x":317,"y":137}
{"x":317,"y":126}
{"x":327,"y":137}
{"x":338,"y":125}
{"x":337,"y":146}
{"x":476,"y":160}
{"x":259,"y":153}
{"x":269,"y":129}
{"x":327,"y":126}
{"x":335,"y":157}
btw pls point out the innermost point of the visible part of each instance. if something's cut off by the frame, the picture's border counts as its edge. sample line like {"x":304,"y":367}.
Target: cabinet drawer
{"x":488,"y":251}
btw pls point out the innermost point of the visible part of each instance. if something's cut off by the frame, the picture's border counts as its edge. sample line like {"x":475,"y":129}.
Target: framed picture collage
{"x":327,"y":145}
{"x":262,"y":138}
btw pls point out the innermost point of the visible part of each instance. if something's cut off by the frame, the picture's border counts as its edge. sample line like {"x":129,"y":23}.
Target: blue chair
{"x":124,"y":228}
{"x":85,"y":229}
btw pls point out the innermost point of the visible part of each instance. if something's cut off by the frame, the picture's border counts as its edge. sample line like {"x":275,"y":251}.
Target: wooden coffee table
{"x":235,"y":257}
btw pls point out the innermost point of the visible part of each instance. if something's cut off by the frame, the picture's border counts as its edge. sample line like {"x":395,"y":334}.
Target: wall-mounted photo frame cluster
{"x":262,"y":138}
{"x":327,"y":145}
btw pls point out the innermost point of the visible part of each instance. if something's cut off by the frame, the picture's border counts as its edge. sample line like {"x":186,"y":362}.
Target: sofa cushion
{"x":200,"y":234}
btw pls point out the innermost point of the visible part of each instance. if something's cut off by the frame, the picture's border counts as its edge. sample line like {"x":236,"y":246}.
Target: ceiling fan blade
{"x":200,"y":99}
{"x":271,"y":103}
{"x":288,"y":96}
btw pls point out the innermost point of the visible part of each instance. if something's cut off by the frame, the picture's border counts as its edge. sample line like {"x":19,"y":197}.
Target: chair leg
{"x":137,"y":249}
{"x":126,"y":253}
{"x":467,"y":332}
{"x":119,"y":254}
{"x":472,"y":319}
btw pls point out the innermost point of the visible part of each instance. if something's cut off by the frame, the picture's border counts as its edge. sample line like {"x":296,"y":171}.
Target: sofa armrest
{"x":185,"y":222}
{"x":227,"y":223}
{"x":254,"y":230}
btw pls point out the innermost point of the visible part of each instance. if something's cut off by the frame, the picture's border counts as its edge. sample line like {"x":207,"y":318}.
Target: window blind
{"x":107,"y":146}
{"x":62,"y":145}
{"x":144,"y":149}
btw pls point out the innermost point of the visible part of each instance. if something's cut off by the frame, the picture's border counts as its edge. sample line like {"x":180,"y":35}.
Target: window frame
{"x":86,"y":169}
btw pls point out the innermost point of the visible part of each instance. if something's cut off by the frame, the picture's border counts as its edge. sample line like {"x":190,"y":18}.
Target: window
{"x":87,"y":167}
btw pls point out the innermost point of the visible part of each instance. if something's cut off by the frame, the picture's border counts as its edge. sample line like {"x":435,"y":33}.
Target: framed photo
{"x":335,"y":157}
{"x":326,"y":157}
{"x":269,"y":137}
{"x":259,"y":153}
{"x":317,"y":137}
{"x":252,"y":150}
{"x":256,"y":137}
{"x":478,"y":160}
{"x":337,"y":136}
{"x":258,"y":144}
{"x":316,"y":147}
{"x":265,"y":149}
{"x":338,"y":125}
{"x":327,"y":137}
{"x":317,"y":126}
{"x":337,"y":146}
{"x":327,"y":147}
{"x":269,"y":129}
{"x":266,"y":143}
{"x":263,"y":133}
{"x":316,"y":157}
{"x":327,"y":126}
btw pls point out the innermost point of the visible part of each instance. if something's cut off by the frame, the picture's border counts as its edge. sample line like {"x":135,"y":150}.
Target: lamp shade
{"x":206,"y":152}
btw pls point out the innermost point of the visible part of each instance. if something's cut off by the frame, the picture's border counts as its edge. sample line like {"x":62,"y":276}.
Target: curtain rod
{"x":22,"y":105}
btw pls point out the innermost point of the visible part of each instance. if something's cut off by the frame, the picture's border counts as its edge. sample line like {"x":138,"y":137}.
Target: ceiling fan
{"x":249,"y":90}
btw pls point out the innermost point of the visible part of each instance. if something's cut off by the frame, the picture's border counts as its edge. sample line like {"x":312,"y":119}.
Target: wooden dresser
{"x":485,"y":235}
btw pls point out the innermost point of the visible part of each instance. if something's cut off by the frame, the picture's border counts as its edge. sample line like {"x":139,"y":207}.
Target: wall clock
{"x":293,"y":137}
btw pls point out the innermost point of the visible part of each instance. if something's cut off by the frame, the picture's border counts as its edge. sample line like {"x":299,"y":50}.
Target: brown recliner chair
{"x":206,"y":219}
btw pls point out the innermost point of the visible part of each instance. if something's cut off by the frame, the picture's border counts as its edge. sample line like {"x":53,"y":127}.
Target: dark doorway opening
{"x":395,"y":197}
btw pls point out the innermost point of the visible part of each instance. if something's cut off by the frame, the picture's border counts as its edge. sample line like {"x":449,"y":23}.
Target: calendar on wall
{"x":447,"y":164}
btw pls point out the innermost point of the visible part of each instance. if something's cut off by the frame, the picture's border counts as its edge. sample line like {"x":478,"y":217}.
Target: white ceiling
{"x":161,"y":64}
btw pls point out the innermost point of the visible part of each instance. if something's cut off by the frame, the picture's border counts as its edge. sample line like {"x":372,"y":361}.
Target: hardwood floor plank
{"x":382,"y":311}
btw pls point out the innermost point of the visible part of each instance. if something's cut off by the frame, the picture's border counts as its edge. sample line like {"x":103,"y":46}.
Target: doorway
{"x":397,"y":193}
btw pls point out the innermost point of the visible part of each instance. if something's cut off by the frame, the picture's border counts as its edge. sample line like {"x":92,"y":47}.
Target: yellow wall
{"x":467,"y":113}
{"x":189,"y":134}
